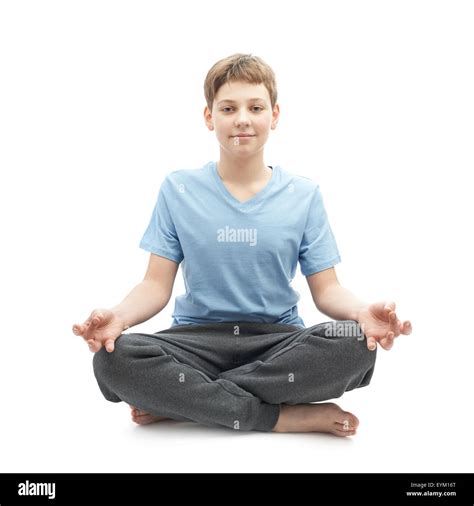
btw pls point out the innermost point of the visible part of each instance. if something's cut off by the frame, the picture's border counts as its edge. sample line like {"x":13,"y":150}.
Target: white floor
{"x":414,"y":417}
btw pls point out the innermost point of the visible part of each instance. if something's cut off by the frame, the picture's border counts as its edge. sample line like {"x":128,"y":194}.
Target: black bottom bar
{"x":236,"y":489}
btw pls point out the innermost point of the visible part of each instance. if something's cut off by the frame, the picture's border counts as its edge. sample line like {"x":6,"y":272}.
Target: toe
{"x":348,"y":424}
{"x":348,"y":418}
{"x":145,"y":419}
{"x":138,"y":419}
{"x":136,"y":411}
{"x":343,"y":433}
{"x":354,"y":421}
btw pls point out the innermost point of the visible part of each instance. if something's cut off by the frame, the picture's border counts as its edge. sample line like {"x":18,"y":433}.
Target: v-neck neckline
{"x":234,"y":201}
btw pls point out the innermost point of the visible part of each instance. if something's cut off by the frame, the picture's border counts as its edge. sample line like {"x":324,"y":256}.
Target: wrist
{"x":357,"y":310}
{"x":121,"y":316}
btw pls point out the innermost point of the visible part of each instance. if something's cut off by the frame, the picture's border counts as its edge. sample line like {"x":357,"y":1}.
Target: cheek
{"x":223,"y":126}
{"x":264,"y":124}
{"x":263,"y":129}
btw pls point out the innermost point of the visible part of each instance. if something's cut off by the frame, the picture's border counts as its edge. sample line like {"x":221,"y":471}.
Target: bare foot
{"x":325,"y":417}
{"x":144,"y":418}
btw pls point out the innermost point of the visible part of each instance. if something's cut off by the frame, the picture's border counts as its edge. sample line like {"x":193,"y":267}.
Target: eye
{"x":225,"y":109}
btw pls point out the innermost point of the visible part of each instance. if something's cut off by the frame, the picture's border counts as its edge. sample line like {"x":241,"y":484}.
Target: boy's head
{"x":241,"y":97}
{"x":239,"y":67}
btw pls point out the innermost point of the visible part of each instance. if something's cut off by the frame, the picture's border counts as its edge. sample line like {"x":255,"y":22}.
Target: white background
{"x":99,"y":100}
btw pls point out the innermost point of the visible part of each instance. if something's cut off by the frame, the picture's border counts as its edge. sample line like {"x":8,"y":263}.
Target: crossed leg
{"x":311,"y":357}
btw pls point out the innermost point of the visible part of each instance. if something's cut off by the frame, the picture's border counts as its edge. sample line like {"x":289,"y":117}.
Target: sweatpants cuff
{"x":268,"y":418}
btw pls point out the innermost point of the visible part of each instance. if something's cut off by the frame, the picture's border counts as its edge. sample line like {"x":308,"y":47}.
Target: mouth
{"x":243,"y":136}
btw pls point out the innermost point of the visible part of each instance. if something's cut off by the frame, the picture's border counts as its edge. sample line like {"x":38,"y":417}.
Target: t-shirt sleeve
{"x":160,"y":237}
{"x":318,"y":248}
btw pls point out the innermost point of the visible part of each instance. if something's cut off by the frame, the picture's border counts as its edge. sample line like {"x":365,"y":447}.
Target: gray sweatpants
{"x":234,"y":374}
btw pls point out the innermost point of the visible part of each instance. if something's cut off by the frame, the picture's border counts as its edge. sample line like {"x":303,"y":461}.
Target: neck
{"x":242,"y":170}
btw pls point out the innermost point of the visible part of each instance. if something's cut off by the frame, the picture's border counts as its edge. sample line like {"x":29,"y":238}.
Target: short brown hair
{"x":239,"y":67}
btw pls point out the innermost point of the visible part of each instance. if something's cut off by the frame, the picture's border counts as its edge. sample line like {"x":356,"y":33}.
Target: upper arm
{"x":163,"y":271}
{"x":319,"y":281}
{"x":318,"y":249}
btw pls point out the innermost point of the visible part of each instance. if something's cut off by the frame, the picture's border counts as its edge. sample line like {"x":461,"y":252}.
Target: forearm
{"x":147,"y":299}
{"x":339,"y":303}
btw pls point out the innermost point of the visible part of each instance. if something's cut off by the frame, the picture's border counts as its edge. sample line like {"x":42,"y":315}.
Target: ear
{"x":208,"y":118}
{"x":275,"y":116}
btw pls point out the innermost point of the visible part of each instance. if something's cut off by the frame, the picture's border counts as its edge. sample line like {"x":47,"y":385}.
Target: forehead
{"x":238,"y":91}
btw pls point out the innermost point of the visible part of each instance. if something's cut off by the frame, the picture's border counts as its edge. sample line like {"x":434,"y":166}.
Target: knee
{"x":104,"y":361}
{"x":101,"y":363}
{"x":363,"y":357}
{"x":350,"y":332}
{"x":112,"y":369}
{"x":369,"y":355}
{"x":352,"y":348}
{"x":365,"y":360}
{"x":369,"y":372}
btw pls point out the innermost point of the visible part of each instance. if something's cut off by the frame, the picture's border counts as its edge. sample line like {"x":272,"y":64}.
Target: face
{"x":242,"y":117}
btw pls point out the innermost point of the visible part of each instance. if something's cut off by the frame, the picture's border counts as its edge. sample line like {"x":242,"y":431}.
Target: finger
{"x":399,"y":328}
{"x":386,"y":342}
{"x":96,"y":319}
{"x":406,"y":328}
{"x":94,"y":346}
{"x":84,"y":331}
{"x":78,"y":329}
{"x":109,"y":345}
{"x":371,"y":343}
{"x":87,"y":323}
{"x":394,"y":323}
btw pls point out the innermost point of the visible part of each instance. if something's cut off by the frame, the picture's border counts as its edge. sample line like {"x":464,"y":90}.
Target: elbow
{"x":164,"y":296}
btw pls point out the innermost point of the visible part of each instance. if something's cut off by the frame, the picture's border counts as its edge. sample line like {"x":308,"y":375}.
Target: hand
{"x":379,"y":322}
{"x":101,"y":329}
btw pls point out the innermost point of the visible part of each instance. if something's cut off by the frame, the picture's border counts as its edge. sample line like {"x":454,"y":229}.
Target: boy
{"x":238,"y":354}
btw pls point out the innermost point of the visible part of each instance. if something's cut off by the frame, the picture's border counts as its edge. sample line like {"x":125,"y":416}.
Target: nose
{"x":242,"y":118}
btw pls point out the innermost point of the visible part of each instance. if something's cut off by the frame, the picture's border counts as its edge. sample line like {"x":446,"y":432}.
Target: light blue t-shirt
{"x":238,"y":259}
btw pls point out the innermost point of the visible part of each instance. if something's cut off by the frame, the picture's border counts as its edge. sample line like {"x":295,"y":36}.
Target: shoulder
{"x":179,"y":176}
{"x":302,"y":185}
{"x":178,"y":179}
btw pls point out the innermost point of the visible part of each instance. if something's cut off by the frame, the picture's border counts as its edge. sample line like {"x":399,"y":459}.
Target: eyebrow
{"x":234,"y":102}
